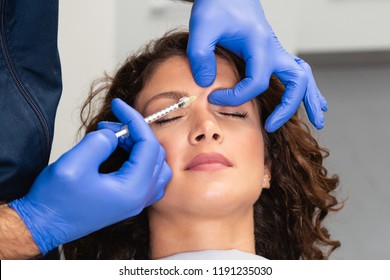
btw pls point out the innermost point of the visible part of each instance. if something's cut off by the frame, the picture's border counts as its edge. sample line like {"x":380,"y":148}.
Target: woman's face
{"x":216,"y":153}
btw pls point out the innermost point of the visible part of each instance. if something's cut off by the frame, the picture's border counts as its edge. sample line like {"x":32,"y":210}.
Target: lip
{"x":208,"y":162}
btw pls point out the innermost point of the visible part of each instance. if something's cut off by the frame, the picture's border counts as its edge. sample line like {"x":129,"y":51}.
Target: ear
{"x":266,"y":178}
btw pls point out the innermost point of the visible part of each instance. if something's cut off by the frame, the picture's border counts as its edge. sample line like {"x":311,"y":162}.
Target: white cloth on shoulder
{"x":214,"y":255}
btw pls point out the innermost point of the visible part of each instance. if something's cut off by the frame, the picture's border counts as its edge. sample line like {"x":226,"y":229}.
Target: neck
{"x":171,"y":234}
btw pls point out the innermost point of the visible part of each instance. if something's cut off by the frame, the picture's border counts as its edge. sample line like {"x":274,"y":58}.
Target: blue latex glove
{"x":71,"y":199}
{"x":241,"y":27}
{"x":124,"y":142}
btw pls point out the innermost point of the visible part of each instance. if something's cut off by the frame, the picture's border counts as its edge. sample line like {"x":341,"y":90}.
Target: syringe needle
{"x":183,"y":102}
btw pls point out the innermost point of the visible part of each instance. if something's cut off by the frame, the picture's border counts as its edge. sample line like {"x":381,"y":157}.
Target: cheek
{"x":172,"y":143}
{"x":251,"y":157}
{"x":251,"y":146}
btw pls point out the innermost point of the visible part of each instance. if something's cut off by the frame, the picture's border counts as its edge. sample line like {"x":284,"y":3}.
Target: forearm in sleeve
{"x":30,"y":88}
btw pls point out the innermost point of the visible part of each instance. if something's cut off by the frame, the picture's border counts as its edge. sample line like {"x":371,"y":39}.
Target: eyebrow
{"x":175,"y":95}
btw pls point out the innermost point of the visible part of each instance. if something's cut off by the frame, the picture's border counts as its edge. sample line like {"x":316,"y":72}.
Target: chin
{"x":204,"y":194}
{"x":206,"y":202}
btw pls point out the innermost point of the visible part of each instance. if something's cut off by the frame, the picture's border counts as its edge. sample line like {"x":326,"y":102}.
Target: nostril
{"x":215,"y":136}
{"x":199,"y":137}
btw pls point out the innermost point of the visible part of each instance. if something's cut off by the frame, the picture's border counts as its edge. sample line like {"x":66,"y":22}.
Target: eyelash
{"x":242,"y":115}
{"x":233,"y":115}
{"x":165,"y":121}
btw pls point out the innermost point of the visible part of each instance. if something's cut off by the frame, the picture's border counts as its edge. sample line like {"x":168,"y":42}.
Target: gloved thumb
{"x":138,"y":129}
{"x":145,"y":150}
{"x":125,"y":143}
{"x":200,"y":52}
{"x":256,"y":82}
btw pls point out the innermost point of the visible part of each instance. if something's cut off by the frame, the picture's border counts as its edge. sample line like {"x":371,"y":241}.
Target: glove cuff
{"x":41,"y":237}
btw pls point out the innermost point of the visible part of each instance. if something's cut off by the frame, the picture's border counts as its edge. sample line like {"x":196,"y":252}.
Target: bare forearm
{"x":16,"y":241}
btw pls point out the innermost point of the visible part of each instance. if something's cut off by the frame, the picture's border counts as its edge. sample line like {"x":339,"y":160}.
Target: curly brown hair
{"x":288,"y":217}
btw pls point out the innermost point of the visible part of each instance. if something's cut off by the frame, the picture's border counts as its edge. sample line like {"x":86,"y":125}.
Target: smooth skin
{"x":210,"y":206}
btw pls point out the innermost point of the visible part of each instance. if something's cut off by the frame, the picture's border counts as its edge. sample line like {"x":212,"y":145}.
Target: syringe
{"x":183,"y":102}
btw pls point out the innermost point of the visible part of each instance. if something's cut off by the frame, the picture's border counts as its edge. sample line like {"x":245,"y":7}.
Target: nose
{"x":205,"y":128}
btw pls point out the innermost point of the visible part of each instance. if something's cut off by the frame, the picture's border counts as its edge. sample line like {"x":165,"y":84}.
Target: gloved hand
{"x":70,"y":198}
{"x":241,"y":27}
{"x":124,"y":142}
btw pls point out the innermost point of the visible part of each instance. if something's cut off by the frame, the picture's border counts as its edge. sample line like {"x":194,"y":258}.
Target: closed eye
{"x":164,"y":121}
{"x":241,"y":115}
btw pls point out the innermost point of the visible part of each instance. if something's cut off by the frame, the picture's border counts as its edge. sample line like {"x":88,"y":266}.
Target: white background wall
{"x":87,"y":48}
{"x":343,"y":25}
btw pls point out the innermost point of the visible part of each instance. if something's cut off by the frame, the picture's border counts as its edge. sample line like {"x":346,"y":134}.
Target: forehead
{"x":174,"y":74}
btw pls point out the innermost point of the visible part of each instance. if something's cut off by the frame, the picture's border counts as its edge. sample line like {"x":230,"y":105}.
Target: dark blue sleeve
{"x":30,"y":88}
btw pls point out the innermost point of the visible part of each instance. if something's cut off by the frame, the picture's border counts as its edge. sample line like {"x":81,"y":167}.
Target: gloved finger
{"x":296,"y":84}
{"x":256,"y":82}
{"x":313,"y":110}
{"x":323,"y":103}
{"x":200,"y":52}
{"x":153,"y":191}
{"x":92,"y":150}
{"x":114,"y":126}
{"x":312,"y":83}
{"x":164,"y":177}
{"x":159,"y":162}
{"x":125,"y":143}
{"x":315,"y":103}
{"x":145,"y":150}
{"x":139,"y":130}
